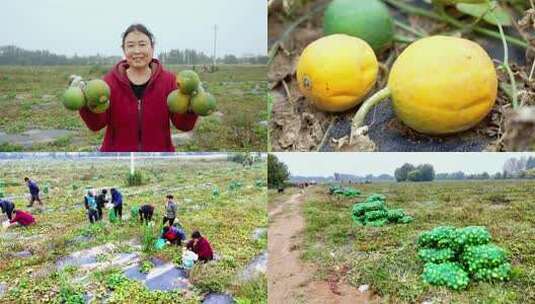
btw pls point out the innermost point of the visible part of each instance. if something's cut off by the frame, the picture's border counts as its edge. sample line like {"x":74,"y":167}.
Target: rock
{"x":363,"y":288}
{"x":259,"y":233}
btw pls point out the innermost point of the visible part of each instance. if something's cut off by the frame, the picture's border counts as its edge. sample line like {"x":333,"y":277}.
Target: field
{"x":386,"y":258}
{"x":35,"y":120}
{"x":64,"y":259}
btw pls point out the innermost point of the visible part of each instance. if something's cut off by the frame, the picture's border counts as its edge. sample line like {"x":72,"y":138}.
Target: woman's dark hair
{"x":138,"y":28}
{"x":196,"y":235}
{"x":169,"y":196}
{"x":104,"y":191}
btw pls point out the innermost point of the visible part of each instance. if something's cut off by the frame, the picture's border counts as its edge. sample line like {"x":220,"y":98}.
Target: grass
{"x":31,"y":99}
{"x":386,"y":257}
{"x":228,"y":221}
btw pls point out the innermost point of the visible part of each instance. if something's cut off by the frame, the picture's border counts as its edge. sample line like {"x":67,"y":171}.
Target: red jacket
{"x":202,"y":249}
{"x":23,"y":218}
{"x":138,"y":125}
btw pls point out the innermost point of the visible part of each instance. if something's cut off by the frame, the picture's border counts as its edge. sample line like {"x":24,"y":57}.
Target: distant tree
{"x":415,"y":176}
{"x":401,"y":173}
{"x":277,"y":172}
{"x":427,"y":172}
{"x":485,"y":175}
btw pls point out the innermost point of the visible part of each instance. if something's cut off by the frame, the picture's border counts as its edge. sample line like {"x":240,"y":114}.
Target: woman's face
{"x":137,"y":50}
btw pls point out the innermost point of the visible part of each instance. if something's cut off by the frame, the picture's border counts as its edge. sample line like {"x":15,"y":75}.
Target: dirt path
{"x":289,"y":279}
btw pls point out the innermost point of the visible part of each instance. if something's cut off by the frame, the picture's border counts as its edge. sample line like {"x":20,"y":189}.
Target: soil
{"x":289,"y":279}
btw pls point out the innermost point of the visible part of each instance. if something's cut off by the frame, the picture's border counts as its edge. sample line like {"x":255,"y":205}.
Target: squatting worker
{"x":138,"y":118}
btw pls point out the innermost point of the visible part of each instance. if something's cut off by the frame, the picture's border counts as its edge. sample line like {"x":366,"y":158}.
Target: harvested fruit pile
{"x":190,"y":96}
{"x":94,"y":94}
{"x":373,"y":212}
{"x":411,"y":91}
{"x":347,"y":192}
{"x":453,"y":256}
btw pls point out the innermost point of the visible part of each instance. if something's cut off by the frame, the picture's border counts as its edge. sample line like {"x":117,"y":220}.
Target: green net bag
{"x":431,"y":255}
{"x":375,"y":215}
{"x":447,"y":274}
{"x":134,"y":212}
{"x":395,"y":215}
{"x":375,"y":197}
{"x":439,"y":237}
{"x":406,"y":219}
{"x":361,"y":208}
{"x":483,"y":256}
{"x":498,"y":273}
{"x":111,"y":216}
{"x":471,"y":235}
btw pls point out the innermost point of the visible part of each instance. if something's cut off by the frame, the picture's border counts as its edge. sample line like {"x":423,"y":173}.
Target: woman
{"x":117,"y":201}
{"x":201,"y":247}
{"x":90,"y":203}
{"x":22,"y":218}
{"x":138,"y":118}
{"x":170,"y":211}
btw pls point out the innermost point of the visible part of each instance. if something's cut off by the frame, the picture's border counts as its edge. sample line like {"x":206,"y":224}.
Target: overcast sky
{"x":89,"y":27}
{"x":325,"y":164}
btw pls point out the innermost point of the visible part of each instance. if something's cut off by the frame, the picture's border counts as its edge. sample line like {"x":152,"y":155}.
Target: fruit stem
{"x":452,"y":21}
{"x":403,"y":39}
{"x":358,"y":119}
{"x":505,"y":64}
{"x":409,"y":29}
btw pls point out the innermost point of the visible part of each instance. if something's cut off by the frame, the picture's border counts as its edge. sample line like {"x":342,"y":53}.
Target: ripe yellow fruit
{"x":442,"y":85}
{"x":336,"y":71}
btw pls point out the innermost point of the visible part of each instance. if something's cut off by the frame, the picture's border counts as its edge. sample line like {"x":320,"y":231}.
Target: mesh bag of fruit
{"x":375,"y":215}
{"x":483,"y":256}
{"x":501,"y":273}
{"x":439,"y":237}
{"x":362,"y":208}
{"x":395,"y":214}
{"x":374,"y":197}
{"x":471,"y":235}
{"x":447,"y":274}
{"x":432,"y":255}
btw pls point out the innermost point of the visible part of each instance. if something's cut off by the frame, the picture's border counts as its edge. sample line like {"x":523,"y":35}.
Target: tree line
{"x":13,"y":55}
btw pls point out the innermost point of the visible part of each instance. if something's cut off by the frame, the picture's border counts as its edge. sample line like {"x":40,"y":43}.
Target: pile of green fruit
{"x":190,"y":96}
{"x":452,"y":256}
{"x":95,"y":95}
{"x":373,"y":212}
{"x":347,"y":192}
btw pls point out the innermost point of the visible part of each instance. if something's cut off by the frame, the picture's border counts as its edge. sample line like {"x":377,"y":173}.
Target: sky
{"x":67,"y":27}
{"x":325,"y":164}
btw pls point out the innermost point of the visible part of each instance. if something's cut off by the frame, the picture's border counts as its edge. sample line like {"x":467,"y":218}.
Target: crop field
{"x":386,"y":258}
{"x":400,"y":100}
{"x":34,"y":118}
{"x":64,"y":259}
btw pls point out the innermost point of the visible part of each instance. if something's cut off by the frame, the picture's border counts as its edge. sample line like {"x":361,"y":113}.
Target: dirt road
{"x":289,"y":279}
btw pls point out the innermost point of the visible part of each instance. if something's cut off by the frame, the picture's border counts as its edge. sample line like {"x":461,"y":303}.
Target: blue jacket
{"x":116,"y":198}
{"x":34,"y":189}
{"x":6,"y":205}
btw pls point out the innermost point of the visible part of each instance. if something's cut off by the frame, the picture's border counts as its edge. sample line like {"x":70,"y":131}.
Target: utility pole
{"x":131,"y":163}
{"x":215,"y":43}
